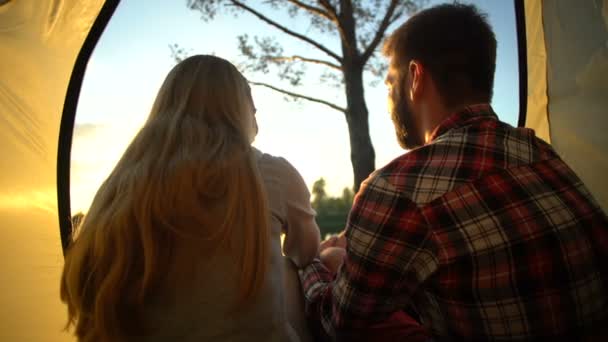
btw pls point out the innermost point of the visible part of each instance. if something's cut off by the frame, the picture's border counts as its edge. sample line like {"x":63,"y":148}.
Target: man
{"x":480,"y":231}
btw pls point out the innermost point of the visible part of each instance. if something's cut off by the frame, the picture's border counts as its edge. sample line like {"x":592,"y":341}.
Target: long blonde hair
{"x":190,"y":172}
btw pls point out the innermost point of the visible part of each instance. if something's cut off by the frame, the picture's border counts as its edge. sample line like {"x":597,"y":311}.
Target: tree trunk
{"x":362,"y":153}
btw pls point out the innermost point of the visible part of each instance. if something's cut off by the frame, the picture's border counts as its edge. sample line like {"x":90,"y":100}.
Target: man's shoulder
{"x":414,"y":174}
{"x":461,"y":156}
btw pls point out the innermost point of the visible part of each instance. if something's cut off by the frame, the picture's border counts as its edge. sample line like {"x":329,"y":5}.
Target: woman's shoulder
{"x":274,"y":164}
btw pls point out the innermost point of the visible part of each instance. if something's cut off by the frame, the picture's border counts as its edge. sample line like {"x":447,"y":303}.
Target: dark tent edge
{"x":68,"y":116}
{"x":520,"y":23}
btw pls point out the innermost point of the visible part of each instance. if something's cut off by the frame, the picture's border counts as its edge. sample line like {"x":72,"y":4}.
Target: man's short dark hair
{"x":455,"y":43}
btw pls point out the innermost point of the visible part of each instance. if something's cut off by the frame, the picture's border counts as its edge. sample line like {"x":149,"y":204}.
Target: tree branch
{"x":313,"y":9}
{"x":300,"y":96}
{"x":304,"y":59}
{"x":395,"y":18}
{"x":334,"y":14}
{"x":328,"y":7}
{"x":380,"y":33}
{"x":286,"y":30}
{"x":327,"y":12}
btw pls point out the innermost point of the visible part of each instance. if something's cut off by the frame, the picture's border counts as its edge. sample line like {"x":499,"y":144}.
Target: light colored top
{"x":289,"y":202}
{"x":292,"y":214}
{"x":200,"y":313}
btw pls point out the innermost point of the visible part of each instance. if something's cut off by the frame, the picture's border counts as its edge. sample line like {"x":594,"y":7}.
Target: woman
{"x":182,"y":240}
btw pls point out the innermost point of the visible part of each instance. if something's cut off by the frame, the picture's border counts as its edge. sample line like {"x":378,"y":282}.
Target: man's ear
{"x":416,"y":73}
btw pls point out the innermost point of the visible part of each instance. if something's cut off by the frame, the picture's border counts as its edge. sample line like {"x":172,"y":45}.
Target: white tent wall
{"x":39,"y":43}
{"x":573,"y":73}
{"x":536,"y":111}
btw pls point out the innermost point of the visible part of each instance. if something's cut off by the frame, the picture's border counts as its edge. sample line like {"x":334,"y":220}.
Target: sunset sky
{"x":133,"y":57}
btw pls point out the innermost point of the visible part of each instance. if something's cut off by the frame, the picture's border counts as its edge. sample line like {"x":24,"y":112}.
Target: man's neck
{"x":434,"y":118}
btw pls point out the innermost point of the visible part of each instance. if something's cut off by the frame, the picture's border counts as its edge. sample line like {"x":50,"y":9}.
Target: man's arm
{"x":390,"y":252}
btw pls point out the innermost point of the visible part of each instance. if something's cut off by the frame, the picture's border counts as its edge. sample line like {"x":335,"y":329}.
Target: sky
{"x":132,"y":58}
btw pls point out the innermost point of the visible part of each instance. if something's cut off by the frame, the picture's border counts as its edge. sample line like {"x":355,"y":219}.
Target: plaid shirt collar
{"x":464,"y":117}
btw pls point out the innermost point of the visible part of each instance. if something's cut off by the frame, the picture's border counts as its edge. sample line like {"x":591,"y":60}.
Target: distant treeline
{"x":332,"y":212}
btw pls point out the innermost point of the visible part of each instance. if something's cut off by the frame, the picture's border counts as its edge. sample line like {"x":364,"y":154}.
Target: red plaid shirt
{"x":484,"y":234}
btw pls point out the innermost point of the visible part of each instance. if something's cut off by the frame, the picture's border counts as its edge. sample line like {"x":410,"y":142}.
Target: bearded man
{"x":480,"y":231}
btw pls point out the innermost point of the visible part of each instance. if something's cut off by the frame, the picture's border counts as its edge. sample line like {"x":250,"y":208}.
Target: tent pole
{"x":520,"y":19}
{"x":68,"y":116}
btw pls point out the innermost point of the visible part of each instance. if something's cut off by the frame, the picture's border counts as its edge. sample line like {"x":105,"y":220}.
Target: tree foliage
{"x":357,"y":26}
{"x":372,"y":19}
{"x":332,"y":212}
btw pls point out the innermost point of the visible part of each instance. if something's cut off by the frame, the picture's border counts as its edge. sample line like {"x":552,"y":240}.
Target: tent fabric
{"x":39,"y":42}
{"x":567,"y":63}
{"x":536,"y":113}
{"x":576,"y":67}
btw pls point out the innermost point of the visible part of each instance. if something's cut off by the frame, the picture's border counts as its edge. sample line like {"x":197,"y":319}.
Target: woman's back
{"x":201,"y":310}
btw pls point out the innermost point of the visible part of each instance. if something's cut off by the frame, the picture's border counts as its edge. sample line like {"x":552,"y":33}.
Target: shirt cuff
{"x":314,"y":278}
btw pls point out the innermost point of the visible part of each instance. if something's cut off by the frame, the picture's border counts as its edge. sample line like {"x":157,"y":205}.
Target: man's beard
{"x":403,"y":121}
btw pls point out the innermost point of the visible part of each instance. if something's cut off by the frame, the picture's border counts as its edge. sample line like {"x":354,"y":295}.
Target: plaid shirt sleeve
{"x":390,"y":252}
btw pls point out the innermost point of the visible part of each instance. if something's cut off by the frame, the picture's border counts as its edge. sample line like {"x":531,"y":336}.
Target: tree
{"x":318,"y":191}
{"x":360,"y":26}
{"x":332,"y":212}
{"x":76,"y":222}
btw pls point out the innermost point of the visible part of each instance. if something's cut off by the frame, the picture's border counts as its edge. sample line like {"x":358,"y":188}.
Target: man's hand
{"x":334,"y":241}
{"x":332,"y":251}
{"x":333,"y":257}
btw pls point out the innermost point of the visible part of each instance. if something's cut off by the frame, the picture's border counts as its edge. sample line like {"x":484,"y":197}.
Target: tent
{"x":44,"y":49}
